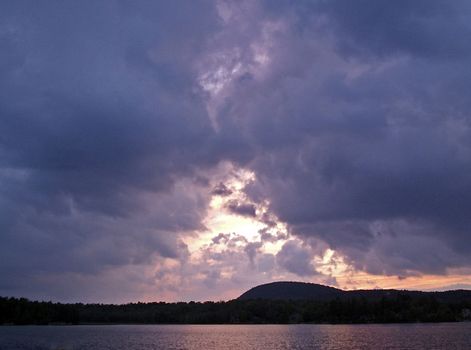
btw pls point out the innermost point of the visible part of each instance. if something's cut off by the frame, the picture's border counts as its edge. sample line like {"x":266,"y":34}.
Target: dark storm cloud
{"x":100,"y":116}
{"x":221,"y":190}
{"x":424,"y":28}
{"x":354,"y":118}
{"x":361,"y":121}
{"x":83,"y":116}
{"x":427,"y":28}
{"x":241,"y":208}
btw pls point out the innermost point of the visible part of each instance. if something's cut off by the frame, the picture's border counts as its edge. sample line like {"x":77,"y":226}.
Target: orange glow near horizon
{"x":208,"y":254}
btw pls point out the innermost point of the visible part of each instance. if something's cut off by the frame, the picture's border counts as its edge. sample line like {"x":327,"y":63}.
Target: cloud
{"x":243,"y":209}
{"x":252,"y":249}
{"x":357,"y":122}
{"x":296,"y":259}
{"x":221,"y":190}
{"x":103,"y":135}
{"x":353,"y":118}
{"x":429,"y":29}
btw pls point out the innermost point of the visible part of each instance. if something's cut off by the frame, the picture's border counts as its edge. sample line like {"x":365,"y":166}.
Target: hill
{"x":318,"y":292}
{"x":292,"y":291}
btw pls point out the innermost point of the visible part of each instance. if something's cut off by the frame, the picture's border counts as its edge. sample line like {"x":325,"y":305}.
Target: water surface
{"x":240,"y":337}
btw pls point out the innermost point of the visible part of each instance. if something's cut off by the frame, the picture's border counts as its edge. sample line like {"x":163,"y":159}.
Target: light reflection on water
{"x":240,"y":337}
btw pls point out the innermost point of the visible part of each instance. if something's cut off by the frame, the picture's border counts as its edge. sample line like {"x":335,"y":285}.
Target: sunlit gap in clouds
{"x":244,"y":244}
{"x":234,"y":214}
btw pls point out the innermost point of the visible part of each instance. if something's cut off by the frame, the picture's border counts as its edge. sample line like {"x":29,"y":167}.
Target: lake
{"x":240,"y":337}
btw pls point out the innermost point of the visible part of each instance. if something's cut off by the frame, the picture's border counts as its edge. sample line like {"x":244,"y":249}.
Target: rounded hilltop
{"x":291,"y":290}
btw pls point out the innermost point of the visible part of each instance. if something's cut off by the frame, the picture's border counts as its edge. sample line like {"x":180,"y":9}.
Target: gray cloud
{"x":296,"y":259}
{"x":372,"y":127}
{"x":243,"y":209}
{"x":429,"y":29}
{"x":252,"y":249}
{"x":102,"y":124}
{"x":221,"y":190}
{"x":354,"y":116}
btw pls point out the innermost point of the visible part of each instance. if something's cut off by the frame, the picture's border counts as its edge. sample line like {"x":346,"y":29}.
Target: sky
{"x":190,"y":150}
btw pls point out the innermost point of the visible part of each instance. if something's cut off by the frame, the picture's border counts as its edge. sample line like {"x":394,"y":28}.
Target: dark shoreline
{"x":400,"y":308}
{"x":235,"y":324}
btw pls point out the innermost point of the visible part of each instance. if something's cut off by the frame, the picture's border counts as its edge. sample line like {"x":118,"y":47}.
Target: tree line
{"x":397,"y":309}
